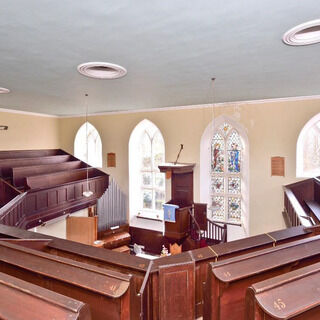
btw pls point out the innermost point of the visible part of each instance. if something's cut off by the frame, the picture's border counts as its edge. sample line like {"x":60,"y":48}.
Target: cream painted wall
{"x":272,"y":129}
{"x":28,"y":132}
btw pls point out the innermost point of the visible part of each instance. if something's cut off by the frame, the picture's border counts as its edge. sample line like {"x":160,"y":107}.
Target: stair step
{"x":122,"y":249}
{"x":116,"y":240}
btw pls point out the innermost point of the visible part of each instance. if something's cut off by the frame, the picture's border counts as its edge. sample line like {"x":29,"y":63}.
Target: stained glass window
{"x":226,"y":166}
{"x":152,"y":181}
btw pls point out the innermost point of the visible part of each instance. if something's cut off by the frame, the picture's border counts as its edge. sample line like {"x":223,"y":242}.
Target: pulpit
{"x":182,"y":196}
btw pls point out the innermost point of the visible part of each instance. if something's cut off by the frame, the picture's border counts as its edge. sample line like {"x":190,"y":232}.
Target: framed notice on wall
{"x":277,"y":166}
{"x":111,"y":159}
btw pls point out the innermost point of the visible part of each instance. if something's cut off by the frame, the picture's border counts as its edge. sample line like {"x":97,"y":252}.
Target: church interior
{"x":160,"y":160}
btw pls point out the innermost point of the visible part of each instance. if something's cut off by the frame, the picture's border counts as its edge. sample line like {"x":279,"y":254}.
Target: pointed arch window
{"x":146,"y":183}
{"x":308,"y":149}
{"x":152,"y":181}
{"x":226,"y":174}
{"x":88,"y":134}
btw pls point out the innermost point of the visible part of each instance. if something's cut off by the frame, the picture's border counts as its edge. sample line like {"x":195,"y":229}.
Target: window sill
{"x":231,"y":223}
{"x":142,"y":216}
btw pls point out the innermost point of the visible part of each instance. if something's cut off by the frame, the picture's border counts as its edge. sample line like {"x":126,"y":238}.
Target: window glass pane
{"x":88,"y":134}
{"x":218,"y":184}
{"x":234,"y":209}
{"x":217,"y":151}
{"x":159,"y":180}
{"x":234,"y":153}
{"x":234,"y":185}
{"x":147,"y":199}
{"x":146,"y":152}
{"x":312,"y":151}
{"x":225,"y":128}
{"x":158,"y":150}
{"x":159,"y":199}
{"x":147,"y":179}
{"x":217,"y":208}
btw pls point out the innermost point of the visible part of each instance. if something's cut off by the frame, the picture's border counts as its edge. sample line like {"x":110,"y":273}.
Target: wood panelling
{"x":107,"y":292}
{"x":176,"y":291}
{"x":82,"y":229}
{"x":21,"y":300}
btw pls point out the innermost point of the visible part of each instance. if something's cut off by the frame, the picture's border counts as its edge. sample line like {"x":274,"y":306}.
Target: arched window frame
{"x":139,"y":174}
{"x":94,"y":145}
{"x":206,"y":169}
{"x":303,"y":155}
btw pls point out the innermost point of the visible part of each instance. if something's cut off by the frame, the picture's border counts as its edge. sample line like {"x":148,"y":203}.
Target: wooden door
{"x":82,"y":229}
{"x":177,"y":291}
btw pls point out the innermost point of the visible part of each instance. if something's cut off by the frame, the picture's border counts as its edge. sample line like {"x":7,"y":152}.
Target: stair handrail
{"x":199,"y":231}
{"x":294,"y":211}
{"x":141,"y":293}
{"x":224,"y":229}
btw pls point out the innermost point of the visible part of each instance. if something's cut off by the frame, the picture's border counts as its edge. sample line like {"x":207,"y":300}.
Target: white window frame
{"x":314,"y":122}
{"x":139,"y":217}
{"x":80,"y":145}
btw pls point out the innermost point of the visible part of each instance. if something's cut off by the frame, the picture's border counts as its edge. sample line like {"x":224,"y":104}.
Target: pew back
{"x":21,"y":300}
{"x":229,"y":279}
{"x":294,"y":295}
{"x":19,"y":174}
{"x":107,"y":292}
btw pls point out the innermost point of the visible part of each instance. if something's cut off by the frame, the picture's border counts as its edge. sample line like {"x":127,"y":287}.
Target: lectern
{"x":182,"y":196}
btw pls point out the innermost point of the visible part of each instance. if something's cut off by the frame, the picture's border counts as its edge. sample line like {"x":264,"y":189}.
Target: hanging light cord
{"x":87,"y":142}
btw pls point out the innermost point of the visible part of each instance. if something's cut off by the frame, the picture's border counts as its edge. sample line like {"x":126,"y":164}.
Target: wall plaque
{"x":277,"y":166}
{"x":111,"y":159}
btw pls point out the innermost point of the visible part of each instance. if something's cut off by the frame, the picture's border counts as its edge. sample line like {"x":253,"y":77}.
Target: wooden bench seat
{"x":228,"y":280}
{"x":116,"y":240}
{"x":293,"y":295}
{"x":21,"y":300}
{"x":6,"y":165}
{"x":122,"y":249}
{"x":60,"y":178}
{"x":106,"y":292}
{"x":19,"y":174}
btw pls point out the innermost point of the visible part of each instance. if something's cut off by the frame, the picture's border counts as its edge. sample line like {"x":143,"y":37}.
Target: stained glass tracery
{"x":226,"y":157}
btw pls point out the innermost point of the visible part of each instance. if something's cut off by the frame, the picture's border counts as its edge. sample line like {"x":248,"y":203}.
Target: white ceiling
{"x":171,"y":49}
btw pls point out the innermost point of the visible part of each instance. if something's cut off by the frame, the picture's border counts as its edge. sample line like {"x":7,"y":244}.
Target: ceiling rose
{"x":303,"y":34}
{"x":102,"y":70}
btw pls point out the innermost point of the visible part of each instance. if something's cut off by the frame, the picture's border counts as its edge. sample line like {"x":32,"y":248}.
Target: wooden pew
{"x":138,"y":266}
{"x":228,"y":280}
{"x":21,"y":300}
{"x":19,"y":174}
{"x":12,"y":154}
{"x":102,"y":258}
{"x":6,"y":165}
{"x":236,"y":248}
{"x":59,"y":178}
{"x":106,"y":292}
{"x":293,"y":295}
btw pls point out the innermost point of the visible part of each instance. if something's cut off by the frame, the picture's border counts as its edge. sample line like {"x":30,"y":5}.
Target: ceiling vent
{"x":4,"y":90}
{"x":102,"y":70}
{"x":303,"y":34}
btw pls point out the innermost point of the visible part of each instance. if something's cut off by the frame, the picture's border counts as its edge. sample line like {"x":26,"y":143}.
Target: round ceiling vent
{"x":303,"y":34}
{"x":102,"y":70}
{"x":4,"y":90}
